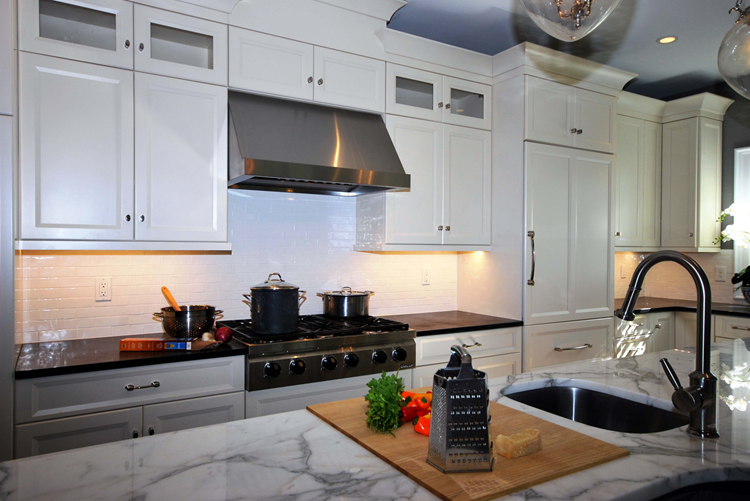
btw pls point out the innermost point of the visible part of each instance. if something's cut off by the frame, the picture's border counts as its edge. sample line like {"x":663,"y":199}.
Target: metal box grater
{"x":459,"y":432}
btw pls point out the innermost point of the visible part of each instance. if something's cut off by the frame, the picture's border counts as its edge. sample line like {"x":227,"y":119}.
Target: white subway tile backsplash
{"x":306,"y":238}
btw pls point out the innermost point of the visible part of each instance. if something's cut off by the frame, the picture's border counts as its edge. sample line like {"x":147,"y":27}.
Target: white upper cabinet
{"x":416,"y":216}
{"x":467,"y":186}
{"x":180,"y":46}
{"x":348,"y":80}
{"x":569,"y":242}
{"x":691,"y":184}
{"x":181,"y":160}
{"x":94,"y":31}
{"x":638,"y":185}
{"x":414,"y":93}
{"x":76,"y":150}
{"x":6,"y":57}
{"x":270,"y":65}
{"x":467,"y":103}
{"x":567,"y":116}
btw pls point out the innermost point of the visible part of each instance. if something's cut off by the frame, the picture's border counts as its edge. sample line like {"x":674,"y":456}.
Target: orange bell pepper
{"x":423,"y":425}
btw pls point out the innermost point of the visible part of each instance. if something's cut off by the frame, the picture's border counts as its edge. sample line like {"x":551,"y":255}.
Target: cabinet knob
{"x":440,"y":228}
{"x":135,"y":433}
{"x":320,"y":81}
{"x":141,"y":47}
{"x":447,"y":228}
{"x":127,"y":44}
{"x":150,"y":430}
{"x":579,"y":131}
{"x":142,"y":218}
{"x":309,"y":79}
{"x":573,"y":130}
{"x":691,"y":234}
{"x":448,"y":106}
{"x":127,"y":217}
{"x":440,"y":105}
{"x":618,"y":234}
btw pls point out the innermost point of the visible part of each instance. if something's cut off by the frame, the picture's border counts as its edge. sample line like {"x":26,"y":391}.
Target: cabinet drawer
{"x":75,"y":394}
{"x":498,"y":366}
{"x":436,"y":349}
{"x":542,"y":344}
{"x":193,"y":413}
{"x":75,"y":432}
{"x":731,"y":327}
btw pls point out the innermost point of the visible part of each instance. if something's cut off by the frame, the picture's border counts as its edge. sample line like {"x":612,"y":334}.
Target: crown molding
{"x":637,"y":106}
{"x":700,"y":105}
{"x":225,"y":6}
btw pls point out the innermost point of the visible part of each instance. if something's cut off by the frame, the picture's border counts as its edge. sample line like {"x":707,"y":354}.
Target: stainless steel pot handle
{"x":248,"y":297}
{"x":159,"y":315}
{"x":302,"y":298}
{"x":574,"y":348}
{"x":346,"y":290}
{"x":533,"y":259}
{"x":272,"y":274}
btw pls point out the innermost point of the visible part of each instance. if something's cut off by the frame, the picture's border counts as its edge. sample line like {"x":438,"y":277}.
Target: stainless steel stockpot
{"x":346,"y":303}
{"x":274,"y":306}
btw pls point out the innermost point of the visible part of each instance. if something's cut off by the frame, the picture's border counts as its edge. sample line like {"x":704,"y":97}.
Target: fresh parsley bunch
{"x":384,"y":414}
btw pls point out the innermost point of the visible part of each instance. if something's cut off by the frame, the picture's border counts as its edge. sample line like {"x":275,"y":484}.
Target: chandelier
{"x":569,"y":20}
{"x":734,"y":53}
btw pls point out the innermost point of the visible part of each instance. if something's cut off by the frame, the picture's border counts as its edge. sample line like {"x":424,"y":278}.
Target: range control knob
{"x":399,"y":354}
{"x":297,"y":366}
{"x":351,"y":360}
{"x":271,"y":369}
{"x":328,"y":363}
{"x":379,"y":357}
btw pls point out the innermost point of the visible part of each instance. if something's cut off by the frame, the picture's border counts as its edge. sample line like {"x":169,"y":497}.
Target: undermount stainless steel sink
{"x":600,"y":410}
{"x":711,"y":491}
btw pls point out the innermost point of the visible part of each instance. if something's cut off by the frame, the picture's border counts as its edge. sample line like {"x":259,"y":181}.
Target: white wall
{"x":670,"y":280}
{"x":306,"y":238}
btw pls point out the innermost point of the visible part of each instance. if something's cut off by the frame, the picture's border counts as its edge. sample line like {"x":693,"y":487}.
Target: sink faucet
{"x":699,"y":399}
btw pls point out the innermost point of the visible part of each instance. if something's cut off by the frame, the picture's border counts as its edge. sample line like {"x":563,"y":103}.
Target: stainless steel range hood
{"x":295,"y":147}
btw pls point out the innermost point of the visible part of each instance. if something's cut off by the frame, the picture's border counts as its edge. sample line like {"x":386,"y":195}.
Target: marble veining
{"x":296,"y":456}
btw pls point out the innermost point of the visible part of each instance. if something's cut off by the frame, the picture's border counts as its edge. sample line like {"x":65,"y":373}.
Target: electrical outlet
{"x":721,"y":273}
{"x":622,"y":271}
{"x":103,"y":289}
{"x":425,"y":276}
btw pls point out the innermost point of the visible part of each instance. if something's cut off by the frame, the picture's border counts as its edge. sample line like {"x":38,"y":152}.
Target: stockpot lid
{"x":347,"y":291}
{"x":275,"y":284}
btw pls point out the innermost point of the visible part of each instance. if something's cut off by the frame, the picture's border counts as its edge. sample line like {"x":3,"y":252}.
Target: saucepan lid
{"x":274,"y":284}
{"x":347,"y":292}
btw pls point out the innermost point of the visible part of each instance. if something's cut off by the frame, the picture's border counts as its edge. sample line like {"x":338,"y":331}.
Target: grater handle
{"x":461,"y":358}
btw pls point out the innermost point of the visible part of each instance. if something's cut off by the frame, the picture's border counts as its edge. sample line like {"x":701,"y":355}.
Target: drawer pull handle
{"x":530,"y":281}
{"x":477,"y":344}
{"x":740,"y":328}
{"x":582,"y":347}
{"x":132,"y":387}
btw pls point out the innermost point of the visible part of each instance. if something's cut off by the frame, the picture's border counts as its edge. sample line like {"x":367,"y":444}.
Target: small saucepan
{"x":346,"y":303}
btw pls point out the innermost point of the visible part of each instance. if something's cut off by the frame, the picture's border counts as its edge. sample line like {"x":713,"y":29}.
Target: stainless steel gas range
{"x":324,"y":350}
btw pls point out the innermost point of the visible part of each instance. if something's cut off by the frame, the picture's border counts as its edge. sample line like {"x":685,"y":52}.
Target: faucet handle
{"x":671,"y":374}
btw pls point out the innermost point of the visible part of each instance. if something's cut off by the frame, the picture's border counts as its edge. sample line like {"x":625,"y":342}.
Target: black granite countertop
{"x":657,"y":304}
{"x":98,"y":354}
{"x":447,"y":322}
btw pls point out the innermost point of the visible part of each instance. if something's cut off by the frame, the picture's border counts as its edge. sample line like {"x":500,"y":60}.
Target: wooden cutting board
{"x":563,"y":452}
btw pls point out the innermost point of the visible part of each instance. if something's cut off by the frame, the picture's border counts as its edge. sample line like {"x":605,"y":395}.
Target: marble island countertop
{"x":297,"y":456}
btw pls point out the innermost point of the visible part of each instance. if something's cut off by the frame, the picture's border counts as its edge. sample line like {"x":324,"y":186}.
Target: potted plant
{"x":740,"y":233}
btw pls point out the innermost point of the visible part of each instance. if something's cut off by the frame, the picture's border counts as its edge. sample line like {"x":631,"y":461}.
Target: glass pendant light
{"x":569,"y":20}
{"x":734,"y":53}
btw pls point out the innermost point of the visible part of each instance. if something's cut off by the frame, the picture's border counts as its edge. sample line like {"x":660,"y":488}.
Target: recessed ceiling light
{"x":667,"y":40}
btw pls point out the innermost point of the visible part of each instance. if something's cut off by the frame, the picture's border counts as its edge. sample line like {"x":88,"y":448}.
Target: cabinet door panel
{"x":709,"y":183}
{"x":180,"y":46}
{"x":629,"y":184}
{"x":7,"y":56}
{"x":193,"y":413}
{"x":467,"y":103}
{"x":414,"y":93}
{"x":651,"y":215}
{"x":550,"y":110}
{"x":595,"y":118}
{"x":548,"y":213}
{"x":76,"y":150}
{"x":349,"y":80}
{"x":181,"y":160}
{"x":75,"y":432}
{"x":468,"y":186}
{"x":97,"y":31}
{"x":591,"y":240}
{"x":679,"y":183}
{"x":271,"y":65}
{"x":413,"y":217}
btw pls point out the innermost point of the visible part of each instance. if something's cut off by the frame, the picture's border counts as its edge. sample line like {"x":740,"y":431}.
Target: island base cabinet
{"x":294,"y":398}
{"x":193,"y":413}
{"x":494,"y":367}
{"x":74,"y":432}
{"x":726,"y":327}
{"x":567,"y":342}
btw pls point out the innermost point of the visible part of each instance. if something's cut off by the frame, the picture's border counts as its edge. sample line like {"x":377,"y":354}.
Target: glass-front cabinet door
{"x":94,"y":31}
{"x":180,"y":46}
{"x":467,"y":103}
{"x":414,"y":93}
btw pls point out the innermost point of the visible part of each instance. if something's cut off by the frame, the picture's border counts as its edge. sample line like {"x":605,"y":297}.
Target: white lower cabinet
{"x":80,"y":431}
{"x":648,"y":333}
{"x":566,"y":342}
{"x":295,"y":398}
{"x":193,"y":413}
{"x":685,"y":329}
{"x":497,"y":366}
{"x":730,"y":327}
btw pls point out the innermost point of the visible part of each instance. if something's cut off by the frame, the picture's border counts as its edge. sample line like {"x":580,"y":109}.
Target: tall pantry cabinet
{"x":554,"y":136}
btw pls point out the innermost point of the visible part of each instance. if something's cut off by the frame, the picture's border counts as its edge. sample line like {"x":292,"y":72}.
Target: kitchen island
{"x":297,"y":456}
